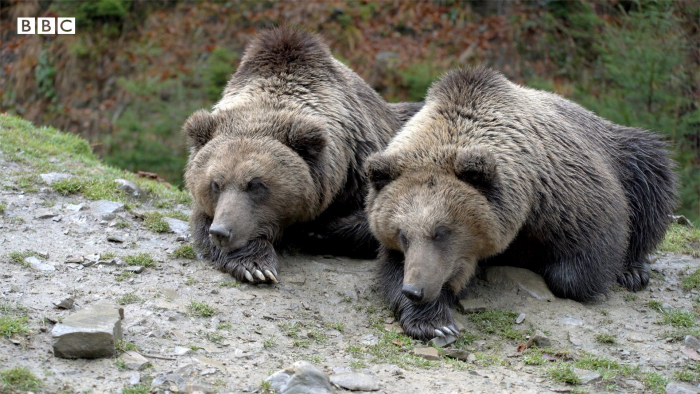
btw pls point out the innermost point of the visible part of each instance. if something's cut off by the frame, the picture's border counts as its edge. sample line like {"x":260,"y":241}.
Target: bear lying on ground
{"x":286,"y":144}
{"x":492,"y":172}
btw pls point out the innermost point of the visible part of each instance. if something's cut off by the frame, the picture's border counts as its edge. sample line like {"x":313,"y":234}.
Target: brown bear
{"x":286,"y":144}
{"x":495,"y":173}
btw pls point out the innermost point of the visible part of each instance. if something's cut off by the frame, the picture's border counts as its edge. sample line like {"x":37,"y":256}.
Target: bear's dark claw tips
{"x":271,"y":276}
{"x":439,"y":333}
{"x":454,"y":330}
{"x":249,"y":276}
{"x":448,"y":330}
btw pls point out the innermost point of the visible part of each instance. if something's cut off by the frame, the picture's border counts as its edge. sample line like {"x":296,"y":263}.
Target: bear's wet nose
{"x":220,"y":233}
{"x":413,"y":293}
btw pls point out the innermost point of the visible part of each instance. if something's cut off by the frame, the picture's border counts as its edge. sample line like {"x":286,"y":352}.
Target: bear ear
{"x":380,"y":170}
{"x":199,"y":128}
{"x":307,"y":142}
{"x":477,"y":166}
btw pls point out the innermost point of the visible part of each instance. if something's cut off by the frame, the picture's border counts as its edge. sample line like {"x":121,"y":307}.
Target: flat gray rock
{"x":54,"y":177}
{"x":91,"y":332}
{"x":457,"y":353}
{"x":134,"y":361}
{"x":428,"y":353}
{"x":105,"y":209}
{"x":44,"y":214}
{"x":524,"y":279}
{"x":539,"y":339}
{"x":585,"y":376}
{"x":177,"y":226}
{"x":38,"y":264}
{"x":355,"y":381}
{"x":692,"y":342}
{"x":300,"y":378}
{"x":129,"y":187}
{"x":473,"y":305}
{"x":681,"y":388}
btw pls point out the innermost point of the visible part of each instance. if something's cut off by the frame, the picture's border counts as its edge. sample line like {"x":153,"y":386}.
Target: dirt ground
{"x":325,"y":310}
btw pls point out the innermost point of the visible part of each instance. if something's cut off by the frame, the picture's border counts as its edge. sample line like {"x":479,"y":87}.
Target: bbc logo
{"x":45,"y":25}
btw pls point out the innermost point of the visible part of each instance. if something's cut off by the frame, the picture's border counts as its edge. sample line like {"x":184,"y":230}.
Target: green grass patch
{"x":13,"y":325}
{"x":629,"y":297}
{"x":270,"y":342}
{"x":126,"y":346}
{"x":497,"y":322}
{"x":534,"y":359}
{"x":19,"y":379}
{"x":607,"y":339}
{"x":177,"y":215}
{"x":124,"y":275}
{"x":18,"y":257}
{"x":229,"y":283}
{"x":564,"y":373}
{"x":129,"y":298}
{"x":655,"y":382}
{"x":679,"y":318}
{"x":140,"y":259}
{"x":3,"y":207}
{"x":154,"y":221}
{"x":137,"y":389}
{"x":200,"y":309}
{"x":190,"y":281}
{"x":682,"y":239}
{"x":692,"y":281}
{"x":184,"y":252}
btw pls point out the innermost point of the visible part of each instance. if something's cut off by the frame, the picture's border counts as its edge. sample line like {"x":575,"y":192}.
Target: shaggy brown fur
{"x":489,"y":171}
{"x":285,"y":145}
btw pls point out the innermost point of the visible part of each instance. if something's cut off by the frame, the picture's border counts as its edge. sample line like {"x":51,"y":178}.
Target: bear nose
{"x":413,"y":293}
{"x":219,"y":232}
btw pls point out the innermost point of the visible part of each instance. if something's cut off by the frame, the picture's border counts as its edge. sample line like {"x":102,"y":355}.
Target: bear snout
{"x":413,"y":293}
{"x":220,"y":235}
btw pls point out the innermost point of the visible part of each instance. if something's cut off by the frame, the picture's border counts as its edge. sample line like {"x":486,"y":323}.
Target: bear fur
{"x":285,"y":145}
{"x":491,"y":172}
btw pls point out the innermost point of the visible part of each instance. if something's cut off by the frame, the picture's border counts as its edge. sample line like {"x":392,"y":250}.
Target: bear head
{"x":254,"y":172}
{"x":439,"y":215}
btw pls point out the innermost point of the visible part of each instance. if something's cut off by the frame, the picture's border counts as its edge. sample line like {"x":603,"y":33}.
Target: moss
{"x":682,"y":239}
{"x":184,"y":252}
{"x":200,"y":309}
{"x":140,"y":259}
{"x":19,"y":379}
{"x":497,"y":322}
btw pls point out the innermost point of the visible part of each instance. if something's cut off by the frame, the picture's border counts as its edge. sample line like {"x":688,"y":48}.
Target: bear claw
{"x":439,"y":333}
{"x":249,"y":276}
{"x":260,"y":275}
{"x":271,"y":276}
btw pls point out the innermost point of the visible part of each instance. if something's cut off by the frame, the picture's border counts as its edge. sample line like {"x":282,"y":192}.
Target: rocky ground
{"x":189,"y":328}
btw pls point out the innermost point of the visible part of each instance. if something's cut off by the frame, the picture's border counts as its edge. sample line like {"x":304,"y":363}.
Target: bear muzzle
{"x":413,"y":293}
{"x":223,"y":238}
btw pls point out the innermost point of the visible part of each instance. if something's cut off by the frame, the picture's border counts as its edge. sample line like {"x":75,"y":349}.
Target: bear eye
{"x":403,"y":240}
{"x":256,"y":185}
{"x":440,"y":233}
{"x":215,"y":187}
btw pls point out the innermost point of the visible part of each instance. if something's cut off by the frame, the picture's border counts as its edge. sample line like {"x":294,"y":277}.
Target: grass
{"x":629,"y":297}
{"x":497,"y":322}
{"x":223,"y":326}
{"x":177,"y":215}
{"x":564,"y":373}
{"x":229,"y":283}
{"x":19,"y":379}
{"x":137,"y":389}
{"x":190,"y":281}
{"x":682,"y":239}
{"x":122,"y":224}
{"x":270,"y":343}
{"x":607,"y":339}
{"x":128,"y":298}
{"x":13,"y":325}
{"x":124,"y":275}
{"x":266,"y":387}
{"x":692,"y":281}
{"x":108,"y":255}
{"x":126,"y":346}
{"x":200,"y":309}
{"x":19,"y":257}
{"x":3,"y":207}
{"x":535,"y":358}
{"x":677,"y":318}
{"x":24,"y":143}
{"x":141,"y":259}
{"x":154,"y":221}
{"x":655,"y":382}
{"x":212,"y":336}
{"x":184,"y":252}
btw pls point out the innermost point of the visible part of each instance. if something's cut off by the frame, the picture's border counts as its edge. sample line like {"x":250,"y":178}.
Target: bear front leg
{"x":256,"y":262}
{"x":421,"y":321}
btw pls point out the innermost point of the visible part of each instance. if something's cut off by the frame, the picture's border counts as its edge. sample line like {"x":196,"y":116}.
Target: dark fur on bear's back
{"x":532,"y":179}
{"x":303,"y":123}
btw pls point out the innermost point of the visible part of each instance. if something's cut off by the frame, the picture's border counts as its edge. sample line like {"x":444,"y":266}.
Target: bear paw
{"x":426,"y":323}
{"x":256,"y":263}
{"x":635,"y":278}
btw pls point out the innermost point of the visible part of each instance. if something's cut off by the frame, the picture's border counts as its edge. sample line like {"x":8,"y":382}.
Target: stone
{"x":186,"y":370}
{"x":181,"y":351}
{"x":520,"y":318}
{"x":38,"y":264}
{"x":443,"y":341}
{"x":129,"y":187}
{"x":44,"y":214}
{"x":473,"y":305}
{"x":75,"y":259}
{"x":585,"y":376}
{"x":74,"y":207}
{"x":105,"y":209}
{"x":65,"y":303}
{"x":199,"y":388}
{"x":634,"y":337}
{"x":635,"y":384}
{"x":355,"y":381}
{"x":53,"y":177}
{"x":177,"y":226}
{"x":91,"y":332}
{"x":539,"y":339}
{"x":457,"y":353}
{"x":134,"y":361}
{"x":428,"y":353}
{"x":525,"y":280}
{"x":682,"y":220}
{"x":300,"y":378}
{"x":691,"y":342}
{"x":115,"y":238}
{"x":681,"y":388}
{"x":471,"y":358}
{"x":171,"y":381}
{"x":135,"y":378}
{"x":137,"y":269}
